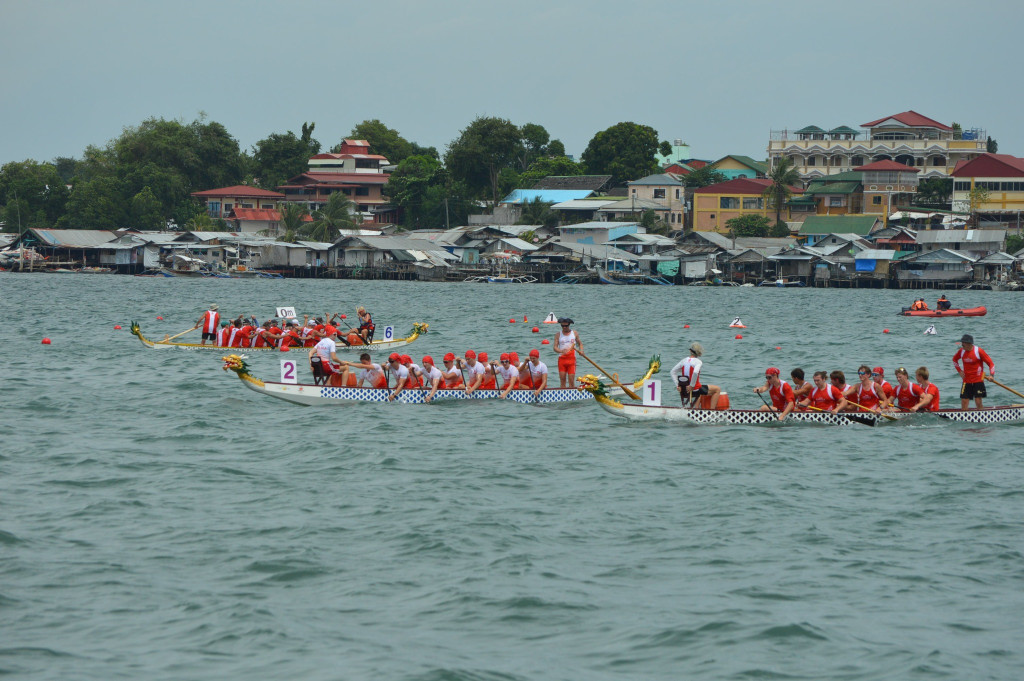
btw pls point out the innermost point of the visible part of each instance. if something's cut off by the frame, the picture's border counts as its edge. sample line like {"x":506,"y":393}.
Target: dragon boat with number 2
{"x":753,"y":417}
{"x":418,"y":329}
{"x":322,"y":395}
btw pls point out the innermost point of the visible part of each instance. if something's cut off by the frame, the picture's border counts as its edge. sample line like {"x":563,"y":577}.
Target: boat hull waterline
{"x":979,"y":311}
{"x":418,"y":330}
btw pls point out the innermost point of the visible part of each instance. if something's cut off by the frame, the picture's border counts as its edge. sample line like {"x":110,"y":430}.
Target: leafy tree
{"x":66,"y":168}
{"x":537,"y":212}
{"x":408,"y":186}
{"x":329,"y":221}
{"x":780,"y":229}
{"x":544,"y":167}
{"x":201,"y":222}
{"x":98,"y":203}
{"x":934,"y":191}
{"x":625,"y":151}
{"x":991,"y":146}
{"x":387,"y":142}
{"x":665,"y":149}
{"x":703,"y":177}
{"x":481,"y":151}
{"x":1014,"y":242}
{"x":279,"y":157}
{"x":556,"y":149}
{"x":957,"y":130}
{"x":976,"y":198}
{"x":34,"y":191}
{"x":535,"y":139}
{"x":293,"y":217}
{"x":147,"y":211}
{"x":749,"y":225}
{"x":783,"y":176}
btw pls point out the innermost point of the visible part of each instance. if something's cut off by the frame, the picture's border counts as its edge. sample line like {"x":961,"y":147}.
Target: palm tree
{"x":328,"y":222}
{"x":783,"y":176}
{"x":293,"y":219}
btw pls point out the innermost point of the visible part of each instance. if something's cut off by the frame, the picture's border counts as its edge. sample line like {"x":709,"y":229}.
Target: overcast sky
{"x":719,"y":75}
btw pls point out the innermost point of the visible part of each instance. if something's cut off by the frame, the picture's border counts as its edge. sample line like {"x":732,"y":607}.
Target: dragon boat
{"x":321,"y":395}
{"x":751,"y":417}
{"x":979,"y":311}
{"x":418,"y":329}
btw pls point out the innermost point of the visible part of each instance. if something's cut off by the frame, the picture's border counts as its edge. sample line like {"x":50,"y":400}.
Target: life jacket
{"x":825,"y":398}
{"x":867,"y":399}
{"x":907,"y":397}
{"x":781,"y":395}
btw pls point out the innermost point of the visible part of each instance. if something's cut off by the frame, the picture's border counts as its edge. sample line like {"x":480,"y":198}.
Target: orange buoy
{"x":160,"y":318}
{"x":46,"y":341}
{"x":885,"y":330}
{"x":344,"y":316}
{"x":117,"y":327}
{"x":686,"y":326}
{"x":778,"y":347}
{"x":536,"y":329}
{"x":524,"y":319}
{"x":545,"y":342}
{"x":739,"y":336}
{"x":512,"y":321}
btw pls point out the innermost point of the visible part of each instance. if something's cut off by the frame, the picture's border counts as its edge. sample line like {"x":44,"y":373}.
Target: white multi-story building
{"x":907,"y":138}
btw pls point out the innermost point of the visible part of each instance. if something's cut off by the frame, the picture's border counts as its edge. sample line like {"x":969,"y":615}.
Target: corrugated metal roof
{"x":950,"y":236}
{"x":840,"y":224}
{"x":583,"y":204}
{"x":876,"y":254}
{"x":74,"y":238}
{"x":657,"y":180}
{"x":833,"y":188}
{"x":633,"y":204}
{"x":519,"y":196}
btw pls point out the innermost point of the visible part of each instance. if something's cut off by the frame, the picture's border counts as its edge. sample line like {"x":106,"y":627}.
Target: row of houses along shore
{"x":853,"y":220}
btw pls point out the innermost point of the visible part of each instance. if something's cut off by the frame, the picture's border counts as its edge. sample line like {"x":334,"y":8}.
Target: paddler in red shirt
{"x":208,"y":323}
{"x":878,"y":376}
{"x":973,"y":371}
{"x":781,"y":394}
{"x":867,"y":395}
{"x":906,"y":395}
{"x":928,"y":387}
{"x":824,"y":396}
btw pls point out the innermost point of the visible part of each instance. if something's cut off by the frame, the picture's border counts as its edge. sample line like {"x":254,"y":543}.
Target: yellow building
{"x":1002,"y":178}
{"x":716,"y":204}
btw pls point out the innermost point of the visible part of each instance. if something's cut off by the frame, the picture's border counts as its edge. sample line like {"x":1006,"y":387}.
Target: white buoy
{"x":930,"y":331}
{"x":550,"y":319}
{"x":737,"y":324}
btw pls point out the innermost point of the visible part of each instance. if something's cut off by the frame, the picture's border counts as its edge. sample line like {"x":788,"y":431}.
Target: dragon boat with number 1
{"x":321,"y":395}
{"x":418,"y":329}
{"x":642,"y":412}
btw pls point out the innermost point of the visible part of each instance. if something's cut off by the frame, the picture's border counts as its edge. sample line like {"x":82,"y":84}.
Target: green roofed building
{"x":817,"y":226}
{"x":734,"y":166}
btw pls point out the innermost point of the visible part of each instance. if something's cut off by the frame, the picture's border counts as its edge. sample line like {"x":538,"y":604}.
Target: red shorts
{"x":567,"y":363}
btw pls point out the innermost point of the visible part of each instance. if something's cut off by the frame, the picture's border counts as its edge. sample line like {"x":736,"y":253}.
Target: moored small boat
{"x":418,"y":329}
{"x":979,"y":311}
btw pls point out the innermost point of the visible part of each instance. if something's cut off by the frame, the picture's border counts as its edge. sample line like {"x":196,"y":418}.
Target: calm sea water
{"x":160,"y":521}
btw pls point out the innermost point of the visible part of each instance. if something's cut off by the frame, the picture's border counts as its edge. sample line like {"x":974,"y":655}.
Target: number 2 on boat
{"x":288,"y":371}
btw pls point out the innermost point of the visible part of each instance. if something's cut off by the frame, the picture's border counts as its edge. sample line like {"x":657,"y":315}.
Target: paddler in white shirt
{"x":533,"y":373}
{"x":509,"y":373}
{"x":450,"y":373}
{"x":326,"y":351}
{"x":432,"y":376}
{"x":401,"y":375}
{"x":368,"y":371}
{"x":474,"y":371}
{"x":415,"y":372}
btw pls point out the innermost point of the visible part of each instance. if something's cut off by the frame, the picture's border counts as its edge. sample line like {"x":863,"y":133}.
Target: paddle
{"x":860,"y":406}
{"x":1005,"y":387}
{"x":611,"y":376}
{"x":170,"y":338}
{"x":863,"y":420}
{"x":770,"y":407}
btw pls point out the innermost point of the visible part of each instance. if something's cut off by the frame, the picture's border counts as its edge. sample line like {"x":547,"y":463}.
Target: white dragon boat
{"x":321,"y":395}
{"x":418,"y":330}
{"x":751,"y":417}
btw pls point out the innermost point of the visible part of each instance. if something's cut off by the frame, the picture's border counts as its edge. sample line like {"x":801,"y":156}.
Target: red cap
{"x":406,"y":359}
{"x":427,"y":359}
{"x":878,"y":370}
{"x":449,"y":357}
{"x":535,"y":353}
{"x":394,"y":357}
{"x":771,"y":371}
{"x":514,"y":357}
{"x":470,"y":354}
{"x":505,"y":357}
{"x":482,"y":357}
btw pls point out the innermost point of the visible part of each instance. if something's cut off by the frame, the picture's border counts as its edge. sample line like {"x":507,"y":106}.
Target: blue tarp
{"x":546,"y":195}
{"x":866,"y":265}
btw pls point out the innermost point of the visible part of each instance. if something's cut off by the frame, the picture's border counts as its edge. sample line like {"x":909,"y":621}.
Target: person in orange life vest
{"x":801,"y":388}
{"x":209,"y":322}
{"x":224,"y":335}
{"x":878,"y":376}
{"x":415,"y":373}
{"x":533,"y":373}
{"x":686,"y":376}
{"x":930,"y":388}
{"x":432,"y":376}
{"x":973,"y":372}
{"x":475,"y":370}
{"x":566,"y":342}
{"x":824,"y":396}
{"x":867,"y":394}
{"x":509,"y":374}
{"x":451,"y":374}
{"x":401,"y":375}
{"x":906,"y":395}
{"x":368,"y":371}
{"x":490,"y":378}
{"x":779,"y":391}
{"x":943,"y":303}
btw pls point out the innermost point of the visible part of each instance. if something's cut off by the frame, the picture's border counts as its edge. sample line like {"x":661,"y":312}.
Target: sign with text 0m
{"x":289,"y":371}
{"x":285,"y":312}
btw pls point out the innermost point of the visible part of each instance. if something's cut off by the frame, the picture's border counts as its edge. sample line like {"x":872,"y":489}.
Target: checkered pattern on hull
{"x":328,"y":395}
{"x":637,"y":412}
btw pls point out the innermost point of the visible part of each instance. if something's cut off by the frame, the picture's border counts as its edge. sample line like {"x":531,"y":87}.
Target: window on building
{"x":362,"y":191}
{"x":938,"y":160}
{"x":835,"y":201}
{"x":961,"y":186}
{"x":811,"y":161}
{"x":753,"y":203}
{"x":857,"y":161}
{"x":677,"y":193}
{"x":245,"y":205}
{"x":213,"y":208}
{"x":727,"y":202}
{"x":659,"y":193}
{"x":876,"y":200}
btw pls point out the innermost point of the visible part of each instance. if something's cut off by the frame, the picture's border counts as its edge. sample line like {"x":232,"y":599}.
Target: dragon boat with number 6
{"x":418,"y":329}
{"x":752,"y":417}
{"x":320,"y":395}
